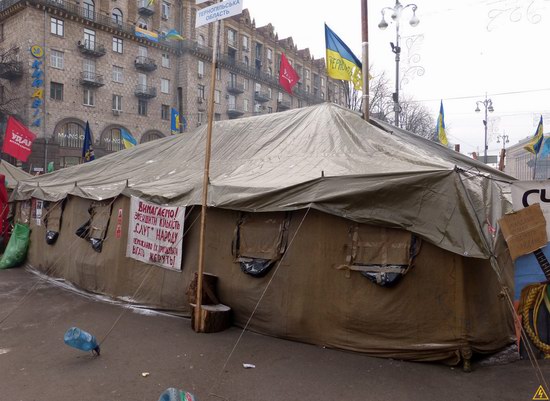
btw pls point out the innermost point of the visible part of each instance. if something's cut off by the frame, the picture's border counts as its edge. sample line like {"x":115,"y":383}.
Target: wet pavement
{"x":143,"y":353}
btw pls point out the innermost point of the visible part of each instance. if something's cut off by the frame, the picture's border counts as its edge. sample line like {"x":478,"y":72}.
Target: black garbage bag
{"x":84,"y":230}
{"x":256,"y":267}
{"x":51,"y":237}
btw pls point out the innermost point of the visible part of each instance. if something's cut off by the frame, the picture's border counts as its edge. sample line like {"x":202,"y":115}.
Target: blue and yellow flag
{"x":172,"y":34}
{"x":175,"y":122}
{"x":341,"y":62}
{"x":87,"y":148}
{"x":535,"y":143}
{"x":127,"y":139}
{"x":145,"y":34}
{"x":440,"y":127}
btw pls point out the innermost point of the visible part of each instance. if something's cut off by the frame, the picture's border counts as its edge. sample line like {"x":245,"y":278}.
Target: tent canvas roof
{"x":324,"y":157}
{"x":13,"y":174}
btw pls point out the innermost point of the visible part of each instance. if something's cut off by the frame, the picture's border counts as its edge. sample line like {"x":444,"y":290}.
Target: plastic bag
{"x":16,"y":251}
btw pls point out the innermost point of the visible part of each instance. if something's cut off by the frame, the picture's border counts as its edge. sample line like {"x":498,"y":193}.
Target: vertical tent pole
{"x":198,"y":299}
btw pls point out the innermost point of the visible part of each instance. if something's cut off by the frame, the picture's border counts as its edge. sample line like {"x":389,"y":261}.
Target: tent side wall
{"x":445,"y":304}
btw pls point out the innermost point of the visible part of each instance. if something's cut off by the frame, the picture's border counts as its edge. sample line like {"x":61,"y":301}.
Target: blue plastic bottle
{"x":81,"y":340}
{"x":173,"y":394}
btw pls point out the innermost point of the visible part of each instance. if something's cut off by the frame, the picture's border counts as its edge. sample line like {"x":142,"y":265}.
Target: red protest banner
{"x":18,"y":140}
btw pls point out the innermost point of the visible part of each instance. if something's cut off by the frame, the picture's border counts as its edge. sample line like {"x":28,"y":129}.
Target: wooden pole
{"x":197,"y":326}
{"x":365,"y":61}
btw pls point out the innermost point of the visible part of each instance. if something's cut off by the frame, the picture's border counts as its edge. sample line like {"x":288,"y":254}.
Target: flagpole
{"x":365,"y":47}
{"x":535,"y":166}
{"x":198,"y":298}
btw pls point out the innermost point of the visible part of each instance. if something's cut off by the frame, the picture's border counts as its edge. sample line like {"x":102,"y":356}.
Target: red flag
{"x":287,"y":76}
{"x":18,"y":140}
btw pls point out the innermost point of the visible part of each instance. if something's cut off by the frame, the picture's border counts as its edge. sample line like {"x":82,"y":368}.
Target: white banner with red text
{"x":155,"y":234}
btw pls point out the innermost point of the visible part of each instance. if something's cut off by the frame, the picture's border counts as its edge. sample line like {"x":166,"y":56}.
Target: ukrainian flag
{"x":172,"y":34}
{"x":143,"y":33}
{"x":440,"y":128}
{"x":175,"y":122}
{"x":341,"y":62}
{"x":535,"y":144}
{"x":127,"y":139}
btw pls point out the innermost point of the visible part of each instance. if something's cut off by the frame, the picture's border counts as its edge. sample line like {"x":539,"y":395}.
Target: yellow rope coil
{"x":533,"y":300}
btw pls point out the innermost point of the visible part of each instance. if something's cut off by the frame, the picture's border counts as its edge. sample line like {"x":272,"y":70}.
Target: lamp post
{"x":488,"y":105}
{"x":505,"y":139}
{"x":396,"y":13}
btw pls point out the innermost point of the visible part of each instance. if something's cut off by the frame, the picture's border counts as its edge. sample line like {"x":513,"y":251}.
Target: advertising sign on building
{"x":527,"y":193}
{"x":155,"y":234}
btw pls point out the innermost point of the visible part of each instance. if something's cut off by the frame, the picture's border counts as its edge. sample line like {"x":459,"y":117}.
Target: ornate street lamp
{"x":396,"y":13}
{"x":488,"y":105}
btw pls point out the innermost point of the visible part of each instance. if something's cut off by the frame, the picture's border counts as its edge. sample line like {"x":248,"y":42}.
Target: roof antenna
{"x":322,"y":173}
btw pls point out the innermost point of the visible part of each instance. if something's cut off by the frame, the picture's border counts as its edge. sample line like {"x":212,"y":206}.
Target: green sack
{"x":16,"y":251}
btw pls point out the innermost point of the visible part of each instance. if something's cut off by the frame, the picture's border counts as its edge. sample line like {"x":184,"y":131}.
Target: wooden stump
{"x":213,"y":318}
{"x":209,"y":289}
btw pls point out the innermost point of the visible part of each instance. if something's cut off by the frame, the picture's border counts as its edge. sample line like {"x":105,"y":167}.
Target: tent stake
{"x":197,"y":318}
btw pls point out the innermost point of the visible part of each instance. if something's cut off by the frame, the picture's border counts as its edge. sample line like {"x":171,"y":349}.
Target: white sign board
{"x":155,"y":234}
{"x":527,"y":193}
{"x":215,"y":12}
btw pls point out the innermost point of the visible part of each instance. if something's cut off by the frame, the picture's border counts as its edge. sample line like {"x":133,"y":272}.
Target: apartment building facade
{"x":107,"y":62}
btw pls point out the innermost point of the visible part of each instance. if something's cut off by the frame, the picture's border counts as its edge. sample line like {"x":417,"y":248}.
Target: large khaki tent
{"x":13,"y":174}
{"x":327,"y":195}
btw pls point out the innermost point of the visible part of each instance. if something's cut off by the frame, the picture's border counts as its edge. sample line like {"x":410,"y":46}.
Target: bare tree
{"x":416,"y":118}
{"x":353,"y":97}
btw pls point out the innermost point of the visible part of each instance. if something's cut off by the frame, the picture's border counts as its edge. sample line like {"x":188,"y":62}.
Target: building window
{"x":200,"y":40}
{"x":56,"y":26}
{"x":246,"y":84}
{"x":200,"y":118}
{"x":56,"y":59}
{"x":88,"y":9}
{"x":280,"y":97}
{"x":165,"y":112}
{"x":142,"y":23}
{"x":257,"y":87}
{"x":245,"y":43}
{"x":116,"y":16}
{"x":245,"y":105}
{"x":307,"y":74}
{"x":150,"y":136}
{"x":1,"y":32}
{"x":165,"y":10}
{"x":89,"y":97}
{"x":269,"y":93}
{"x":71,"y":135}
{"x":217,"y":117}
{"x":117,"y":74}
{"x":201,"y":69}
{"x":142,"y":107}
{"x":231,"y":101}
{"x":117,"y":102}
{"x":166,"y":60}
{"x":112,"y":140}
{"x":56,"y":91}
{"x":219,"y":74}
{"x":217,"y":96}
{"x":200,"y":93}
{"x":165,"y":85}
{"x":322,"y":81}
{"x":89,"y":39}
{"x":270,"y":109}
{"x":117,"y":45}
{"x":269,"y":54}
{"x":232,"y":38}
{"x":246,"y":61}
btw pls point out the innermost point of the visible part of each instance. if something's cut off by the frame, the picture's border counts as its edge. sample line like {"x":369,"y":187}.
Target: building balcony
{"x":235,"y":88}
{"x":233,"y":111}
{"x":145,"y":10}
{"x":145,"y":92}
{"x":283,"y":105}
{"x":145,"y":63}
{"x":11,"y":70}
{"x":91,"y":48}
{"x":261,"y":96}
{"x":89,"y":78}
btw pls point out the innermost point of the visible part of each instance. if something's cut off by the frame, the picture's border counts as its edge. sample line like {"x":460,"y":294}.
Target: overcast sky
{"x":464,"y":48}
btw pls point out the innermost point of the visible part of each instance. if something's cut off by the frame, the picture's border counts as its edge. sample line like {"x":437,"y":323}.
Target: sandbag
{"x":16,"y":251}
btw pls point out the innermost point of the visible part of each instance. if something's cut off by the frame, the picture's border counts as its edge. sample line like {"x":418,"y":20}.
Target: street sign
{"x":216,"y":12}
